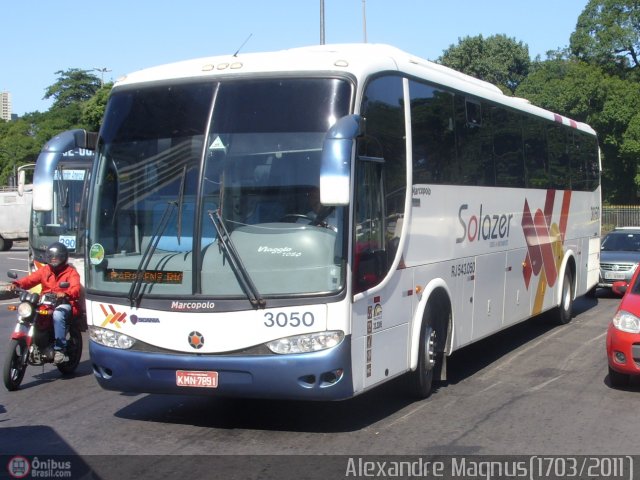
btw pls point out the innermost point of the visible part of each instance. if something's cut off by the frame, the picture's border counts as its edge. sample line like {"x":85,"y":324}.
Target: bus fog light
{"x":109,"y":338}
{"x":310,"y":342}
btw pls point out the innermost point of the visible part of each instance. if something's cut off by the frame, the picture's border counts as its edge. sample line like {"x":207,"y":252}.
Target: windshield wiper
{"x":63,"y":189}
{"x":224,"y":239}
{"x":134,"y":292}
{"x":180,"y":204}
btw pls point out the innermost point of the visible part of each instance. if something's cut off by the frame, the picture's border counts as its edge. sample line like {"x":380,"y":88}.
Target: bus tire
{"x":565,"y":309}
{"x":5,"y":244}
{"x":429,"y":360}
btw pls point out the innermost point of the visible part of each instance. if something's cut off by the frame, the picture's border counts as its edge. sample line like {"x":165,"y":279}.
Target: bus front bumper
{"x":324,"y":375}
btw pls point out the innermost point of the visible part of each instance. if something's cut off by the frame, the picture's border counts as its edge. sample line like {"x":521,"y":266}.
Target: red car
{"x":623,"y":335}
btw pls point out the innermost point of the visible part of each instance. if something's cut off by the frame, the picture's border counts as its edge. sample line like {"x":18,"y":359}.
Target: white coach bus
{"x":448,"y":211}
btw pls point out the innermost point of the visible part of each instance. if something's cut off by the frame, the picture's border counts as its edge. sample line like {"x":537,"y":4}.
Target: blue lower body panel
{"x":324,"y":375}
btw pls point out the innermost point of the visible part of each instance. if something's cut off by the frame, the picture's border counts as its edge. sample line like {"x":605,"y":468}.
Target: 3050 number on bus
{"x":288,"y":319}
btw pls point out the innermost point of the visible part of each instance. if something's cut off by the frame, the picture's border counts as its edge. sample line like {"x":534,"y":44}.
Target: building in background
{"x":5,"y":106}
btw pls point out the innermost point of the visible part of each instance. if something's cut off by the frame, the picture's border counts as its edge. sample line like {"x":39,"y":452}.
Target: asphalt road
{"x":534,"y":389}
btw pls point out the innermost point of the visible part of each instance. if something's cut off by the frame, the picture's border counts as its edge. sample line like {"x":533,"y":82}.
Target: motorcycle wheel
{"x":74,"y":352}
{"x":15,"y":364}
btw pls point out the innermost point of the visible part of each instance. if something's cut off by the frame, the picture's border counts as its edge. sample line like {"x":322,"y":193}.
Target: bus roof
{"x":357,"y":59}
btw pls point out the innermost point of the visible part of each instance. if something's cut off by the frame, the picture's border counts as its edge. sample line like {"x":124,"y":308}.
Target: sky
{"x":121,"y":36}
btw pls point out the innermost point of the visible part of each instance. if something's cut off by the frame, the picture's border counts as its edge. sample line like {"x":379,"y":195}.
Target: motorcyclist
{"x":56,"y":271}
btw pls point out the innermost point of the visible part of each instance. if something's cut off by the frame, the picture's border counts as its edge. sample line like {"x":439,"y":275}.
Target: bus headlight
{"x":309,"y":342}
{"x":109,"y":338}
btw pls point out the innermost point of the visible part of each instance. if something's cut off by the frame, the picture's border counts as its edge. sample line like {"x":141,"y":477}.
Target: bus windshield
{"x":203,"y":187}
{"x":61,"y":224}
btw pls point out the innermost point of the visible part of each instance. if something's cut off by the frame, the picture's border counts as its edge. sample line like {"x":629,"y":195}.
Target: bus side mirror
{"x":21,"y":182}
{"x":335,"y":167}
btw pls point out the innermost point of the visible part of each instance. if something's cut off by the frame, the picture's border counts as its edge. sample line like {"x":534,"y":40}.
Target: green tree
{"x":608,"y":103}
{"x":497,"y":59}
{"x":608,"y":34}
{"x":616,"y":125}
{"x":79,"y":103}
{"x":569,"y":87}
{"x":18,"y":145}
{"x":93,"y":109}
{"x":73,"y":87}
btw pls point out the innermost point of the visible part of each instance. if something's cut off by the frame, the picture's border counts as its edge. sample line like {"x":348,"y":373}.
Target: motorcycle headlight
{"x":25,"y":310}
{"x":627,"y":322}
{"x":310,"y":342}
{"x":109,"y":338}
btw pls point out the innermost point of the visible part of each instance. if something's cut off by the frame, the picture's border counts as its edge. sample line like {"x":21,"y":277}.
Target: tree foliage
{"x":93,"y":109}
{"x":78,"y":98}
{"x":497,"y":59}
{"x":569,"y":87}
{"x":73,"y":87}
{"x":608,"y":103}
{"x":608,"y":34}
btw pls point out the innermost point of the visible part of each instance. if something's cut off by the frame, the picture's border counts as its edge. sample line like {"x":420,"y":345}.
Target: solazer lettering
{"x":483,"y":226}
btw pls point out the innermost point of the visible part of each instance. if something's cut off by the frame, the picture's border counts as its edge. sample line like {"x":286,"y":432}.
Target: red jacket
{"x":51,"y":282}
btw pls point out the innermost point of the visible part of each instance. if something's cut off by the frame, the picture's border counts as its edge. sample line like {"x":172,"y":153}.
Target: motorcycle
{"x":33,"y":339}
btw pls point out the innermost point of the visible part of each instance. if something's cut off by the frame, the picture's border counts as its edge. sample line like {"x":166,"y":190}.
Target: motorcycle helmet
{"x":57,"y":255}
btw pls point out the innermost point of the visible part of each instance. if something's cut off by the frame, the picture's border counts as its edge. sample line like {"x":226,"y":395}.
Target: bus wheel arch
{"x":431,"y":341}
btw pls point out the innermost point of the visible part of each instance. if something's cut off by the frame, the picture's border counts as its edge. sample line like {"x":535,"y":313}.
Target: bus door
{"x":380,"y":316}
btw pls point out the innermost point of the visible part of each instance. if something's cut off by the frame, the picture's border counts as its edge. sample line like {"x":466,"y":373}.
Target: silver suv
{"x":619,"y":255}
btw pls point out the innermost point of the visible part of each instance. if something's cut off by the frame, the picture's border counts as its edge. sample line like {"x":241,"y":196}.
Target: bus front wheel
{"x":429,"y":359}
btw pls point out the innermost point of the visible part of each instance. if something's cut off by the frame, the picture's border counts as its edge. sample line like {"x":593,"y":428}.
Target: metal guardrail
{"x":620,"y":216}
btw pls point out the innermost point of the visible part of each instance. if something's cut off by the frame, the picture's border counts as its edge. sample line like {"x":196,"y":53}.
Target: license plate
{"x":614,"y":275}
{"x":200,"y":379}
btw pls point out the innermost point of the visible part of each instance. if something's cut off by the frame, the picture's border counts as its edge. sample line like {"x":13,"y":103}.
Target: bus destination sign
{"x":150,"y":276}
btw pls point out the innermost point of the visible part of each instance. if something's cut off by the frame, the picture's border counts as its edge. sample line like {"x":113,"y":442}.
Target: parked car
{"x":619,"y":255}
{"x":623,"y":335}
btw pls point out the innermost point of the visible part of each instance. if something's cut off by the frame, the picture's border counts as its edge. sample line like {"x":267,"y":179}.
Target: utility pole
{"x":102,"y":71}
{"x":364,"y":19}
{"x":321,"y":22}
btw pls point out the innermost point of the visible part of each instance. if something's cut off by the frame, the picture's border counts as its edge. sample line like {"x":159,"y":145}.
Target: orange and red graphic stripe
{"x":545,"y":242}
{"x":114,"y":317}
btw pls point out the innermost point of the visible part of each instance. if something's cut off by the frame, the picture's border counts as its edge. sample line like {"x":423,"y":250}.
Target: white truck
{"x":15,"y":215}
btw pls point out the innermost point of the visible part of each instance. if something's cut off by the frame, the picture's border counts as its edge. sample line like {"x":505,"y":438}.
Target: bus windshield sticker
{"x":96,"y":254}
{"x":217,"y":145}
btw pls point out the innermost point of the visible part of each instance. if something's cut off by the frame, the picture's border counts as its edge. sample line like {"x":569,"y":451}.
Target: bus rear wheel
{"x":429,"y":359}
{"x":565,"y":309}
